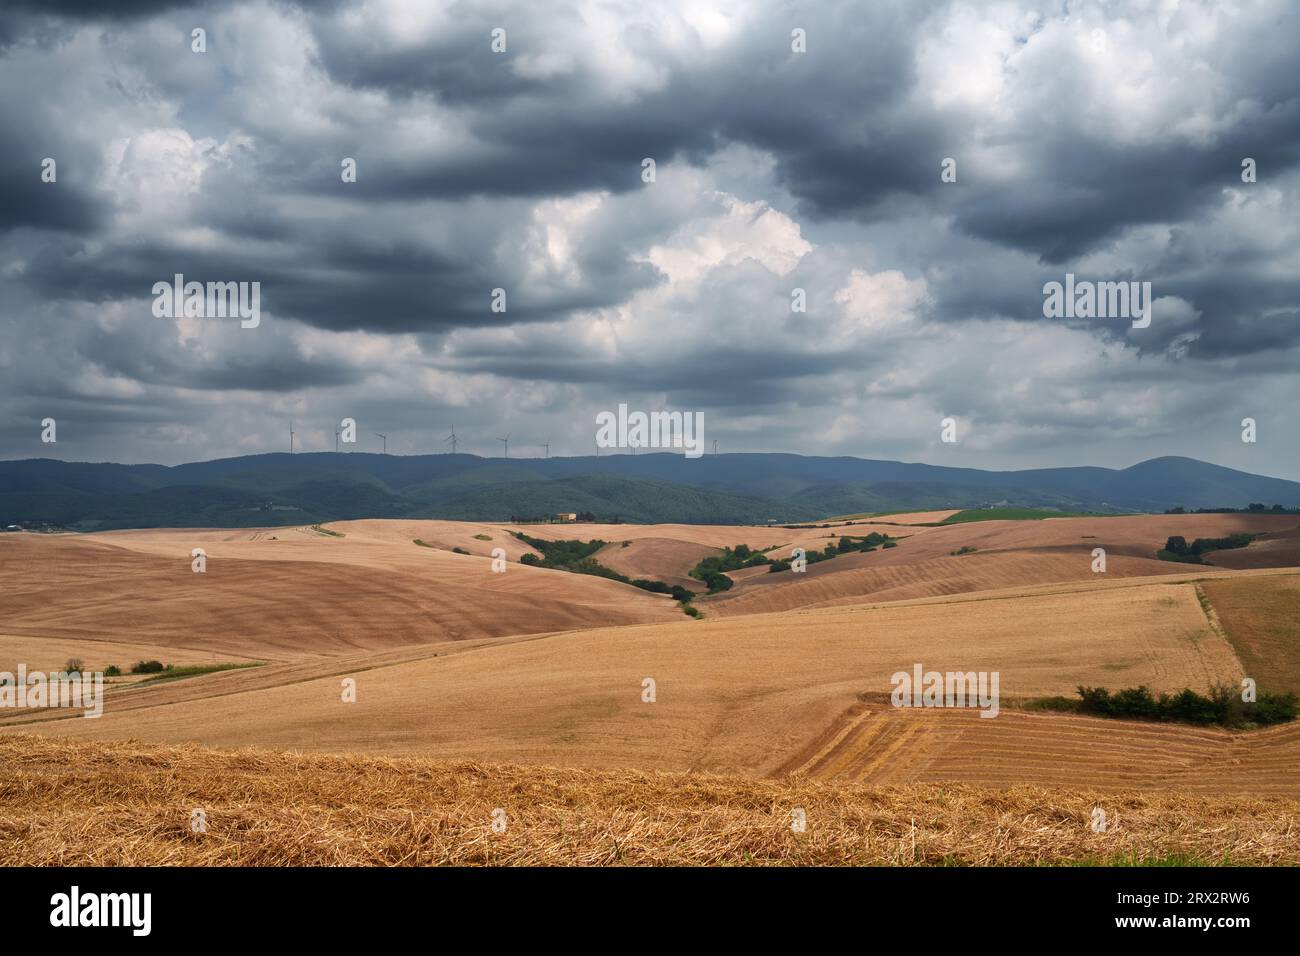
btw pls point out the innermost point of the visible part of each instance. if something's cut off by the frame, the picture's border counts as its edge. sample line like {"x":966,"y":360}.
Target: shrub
{"x":1095,"y":700}
{"x":1276,"y":708}
{"x":731,"y":559}
{"x":576,"y":557}
{"x":112,"y":670}
{"x":1177,"y":549}
{"x":1166,"y":555}
{"x":148,"y":667}
{"x":73,"y":665}
{"x":1222,"y":706}
{"x":1190,"y":707}
{"x":716,"y":581}
{"x":1135,"y":702}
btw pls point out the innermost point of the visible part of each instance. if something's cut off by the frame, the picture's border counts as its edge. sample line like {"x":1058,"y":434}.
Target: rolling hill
{"x":264,"y":490}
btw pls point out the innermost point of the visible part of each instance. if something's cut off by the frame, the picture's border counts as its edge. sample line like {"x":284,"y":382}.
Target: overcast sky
{"x":1100,"y":139}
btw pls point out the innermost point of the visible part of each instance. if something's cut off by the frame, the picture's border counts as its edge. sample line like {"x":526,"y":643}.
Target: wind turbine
{"x":336,"y":441}
{"x":715,"y":446}
{"x":451,"y":438}
{"x":506,"y":441}
{"x":385,"y":438}
{"x":547,"y":446}
{"x":291,"y":436}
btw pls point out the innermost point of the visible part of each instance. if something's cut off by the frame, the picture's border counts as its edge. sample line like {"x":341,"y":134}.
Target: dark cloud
{"x":523,"y":171}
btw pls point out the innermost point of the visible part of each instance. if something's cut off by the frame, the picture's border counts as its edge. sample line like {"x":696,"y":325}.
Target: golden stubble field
{"x":733,"y":695}
{"x":786,"y":678}
{"x":128,"y":804}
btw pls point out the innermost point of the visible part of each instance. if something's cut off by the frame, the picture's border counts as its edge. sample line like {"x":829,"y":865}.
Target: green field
{"x":1014,"y":514}
{"x":872,"y":515}
{"x":973,"y":514}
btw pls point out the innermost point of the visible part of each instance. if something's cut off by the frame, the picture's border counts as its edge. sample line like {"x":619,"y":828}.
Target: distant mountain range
{"x":279,"y":489}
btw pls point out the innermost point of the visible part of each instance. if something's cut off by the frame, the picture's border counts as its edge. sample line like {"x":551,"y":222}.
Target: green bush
{"x":1177,"y":549}
{"x":1222,"y":706}
{"x":576,"y":557}
{"x":112,"y":670}
{"x":715,"y":581}
{"x":148,"y":667}
{"x":846,"y":545}
{"x":1276,"y":708}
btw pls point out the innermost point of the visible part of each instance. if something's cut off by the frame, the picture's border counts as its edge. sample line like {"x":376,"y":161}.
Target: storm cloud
{"x":1105,"y":140}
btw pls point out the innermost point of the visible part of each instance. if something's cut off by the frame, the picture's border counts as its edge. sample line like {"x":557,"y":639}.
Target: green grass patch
{"x":1062,"y":704}
{"x":1014,"y":514}
{"x":322,"y":530}
{"x":175,"y":672}
{"x":880,"y":514}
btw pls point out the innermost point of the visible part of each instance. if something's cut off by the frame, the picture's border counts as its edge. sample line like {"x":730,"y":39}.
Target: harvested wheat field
{"x":735,"y":695}
{"x":1260,"y":615}
{"x":288,"y":595}
{"x":661,"y":559}
{"x":128,"y":804}
{"x":876,"y":743}
{"x":784,"y":675}
{"x":52,"y":653}
{"x":977,"y":556}
{"x":880,"y":577}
